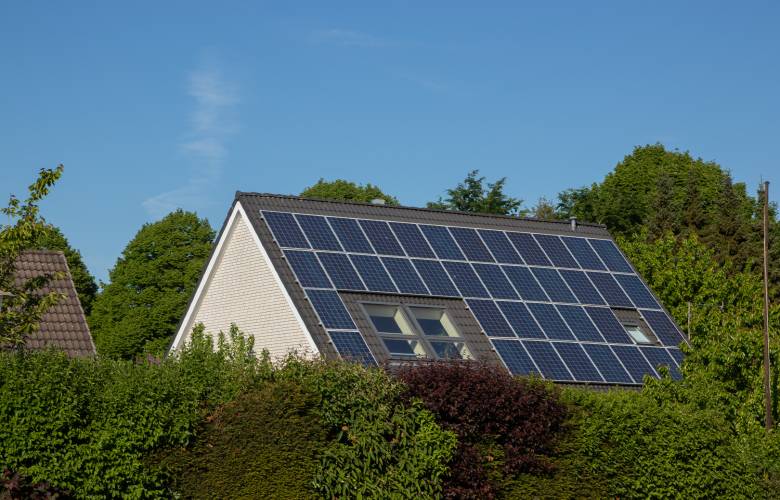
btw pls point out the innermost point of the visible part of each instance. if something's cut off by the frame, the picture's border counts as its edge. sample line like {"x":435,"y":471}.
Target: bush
{"x":14,"y":486}
{"x":504,"y":425}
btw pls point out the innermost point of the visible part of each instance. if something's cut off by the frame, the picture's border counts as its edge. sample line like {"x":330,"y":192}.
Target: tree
{"x":341,"y":189}
{"x":24,"y":303}
{"x":150,"y":285}
{"x":472,"y":195}
{"x":544,"y":209}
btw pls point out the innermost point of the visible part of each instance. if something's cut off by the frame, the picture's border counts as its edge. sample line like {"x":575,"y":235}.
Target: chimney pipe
{"x":378,"y":201}
{"x":573,"y":221}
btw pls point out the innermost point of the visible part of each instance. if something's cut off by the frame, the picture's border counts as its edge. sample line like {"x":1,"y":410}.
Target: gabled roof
{"x":63,"y":326}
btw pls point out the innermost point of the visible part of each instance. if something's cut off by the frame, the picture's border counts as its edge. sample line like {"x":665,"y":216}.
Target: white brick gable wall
{"x":242,"y":287}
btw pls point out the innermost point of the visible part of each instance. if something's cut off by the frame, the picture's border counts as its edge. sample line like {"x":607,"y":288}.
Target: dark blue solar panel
{"x":495,"y":281}
{"x":582,"y":287}
{"x":547,"y":360}
{"x":351,"y":346}
{"x":521,"y":320}
{"x":350,"y":235}
{"x":583,"y":252}
{"x":465,"y":279}
{"x":676,"y":354}
{"x":412,"y":240}
{"x":635,"y":363}
{"x":608,"y":325}
{"x":471,"y":244}
{"x":607,"y":363}
{"x":610,"y":290}
{"x":580,"y":324}
{"x":373,"y":273}
{"x":515,"y":357}
{"x":556,"y":250}
{"x":404,"y":275}
{"x":500,"y":247}
{"x":525,"y":283}
{"x":554,"y":285}
{"x":442,"y":242}
{"x":381,"y":237}
{"x":307,"y":269}
{"x":637,"y":291}
{"x":611,"y":256}
{"x":578,"y":362}
{"x":663,"y":327}
{"x":530,"y":250}
{"x":490,"y":318}
{"x":330,"y":309}
{"x":550,"y":321}
{"x":434,"y":275}
{"x":657,"y":356}
{"x":340,"y":270}
{"x":318,"y":232}
{"x":285,"y":229}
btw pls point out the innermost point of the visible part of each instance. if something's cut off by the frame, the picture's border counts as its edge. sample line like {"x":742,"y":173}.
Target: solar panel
{"x":465,"y":279}
{"x":491,"y":319}
{"x":340,"y":270}
{"x":610,"y":290}
{"x":373,"y":273}
{"x":583,"y":252}
{"x":637,"y":291}
{"x":554,"y":285}
{"x":611,"y":256}
{"x":635,"y":363}
{"x":515,"y":357}
{"x":285,"y":230}
{"x":578,"y":362}
{"x":676,"y":355}
{"x":550,"y":321}
{"x":330,"y":309}
{"x":318,"y":232}
{"x":500,"y":246}
{"x":434,"y":275}
{"x":657,"y":356}
{"x":442,"y":242}
{"x":607,"y":363}
{"x":350,"y":235}
{"x":525,"y":283}
{"x":663,"y":327}
{"x":471,"y":244}
{"x":521,"y":320}
{"x":580,"y":324}
{"x":608,"y":325}
{"x":351,"y":346}
{"x":307,"y":269}
{"x":547,"y":360}
{"x":556,"y":250}
{"x":495,"y":281}
{"x":412,"y":240}
{"x":404,"y":275}
{"x":583,"y":289}
{"x":381,"y":237}
{"x":529,"y":249}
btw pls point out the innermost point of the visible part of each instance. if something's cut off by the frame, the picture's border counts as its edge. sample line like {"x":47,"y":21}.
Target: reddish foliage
{"x":14,"y":486}
{"x":503,"y":423}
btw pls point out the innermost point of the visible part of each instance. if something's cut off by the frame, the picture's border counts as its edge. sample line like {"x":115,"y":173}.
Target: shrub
{"x":14,"y":486}
{"x":504,"y":425}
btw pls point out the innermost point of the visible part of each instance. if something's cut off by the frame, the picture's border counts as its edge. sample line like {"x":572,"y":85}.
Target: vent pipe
{"x":378,"y":201}
{"x":573,"y":221}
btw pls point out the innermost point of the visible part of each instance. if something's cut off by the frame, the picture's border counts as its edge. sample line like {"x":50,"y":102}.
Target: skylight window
{"x":638,"y":335}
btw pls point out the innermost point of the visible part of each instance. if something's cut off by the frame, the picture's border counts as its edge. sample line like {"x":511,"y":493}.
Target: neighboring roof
{"x":63,"y":326}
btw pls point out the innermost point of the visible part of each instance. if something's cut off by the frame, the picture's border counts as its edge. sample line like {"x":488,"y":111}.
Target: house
{"x":63,"y":326}
{"x":384,"y":284}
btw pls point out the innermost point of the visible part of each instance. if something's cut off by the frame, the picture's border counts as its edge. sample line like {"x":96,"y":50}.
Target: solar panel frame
{"x":520,"y":319}
{"x":610,"y":327}
{"x":436,"y":278}
{"x":609,"y":288}
{"x":318,"y":232}
{"x":352,"y":346}
{"x":556,"y":251}
{"x":584,"y":254}
{"x":465,"y":279}
{"x":442,"y":242}
{"x":350,"y":235}
{"x":405,"y":276}
{"x":551,"y":322}
{"x":341,"y":271}
{"x":490,"y":318}
{"x":677,"y":355}
{"x":580,"y":323}
{"x":515,"y":357}
{"x":412,"y":240}
{"x":658,"y":356}
{"x":330,"y":309}
{"x":637,"y":291}
{"x":307,"y":269}
{"x":581,"y":286}
{"x":471,"y":244}
{"x":611,"y":255}
{"x":285,"y":229}
{"x":608,"y":364}
{"x":525,"y":283}
{"x":495,"y":281}
{"x":547,"y":359}
{"x":578,"y":362}
{"x":663,"y":327}
{"x":529,"y":249}
{"x":381,"y":237}
{"x":500,"y":246}
{"x":634,"y":362}
{"x":553,"y":285}
{"x":374,"y":274}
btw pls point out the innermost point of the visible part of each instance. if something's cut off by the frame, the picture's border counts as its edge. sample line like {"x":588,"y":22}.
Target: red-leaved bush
{"x":505,"y":425}
{"x":15,"y":486}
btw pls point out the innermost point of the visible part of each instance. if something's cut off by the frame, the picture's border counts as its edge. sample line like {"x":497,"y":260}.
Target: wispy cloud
{"x":349,"y":38}
{"x":211,"y":124}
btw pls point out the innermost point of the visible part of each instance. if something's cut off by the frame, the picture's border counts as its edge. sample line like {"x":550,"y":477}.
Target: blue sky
{"x":155,"y":105}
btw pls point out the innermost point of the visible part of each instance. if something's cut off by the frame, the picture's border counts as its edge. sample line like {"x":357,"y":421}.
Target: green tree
{"x":150,"y":285}
{"x":51,"y":238}
{"x":472,"y":195}
{"x":23,"y":303}
{"x":544,"y":209}
{"x":341,"y":189}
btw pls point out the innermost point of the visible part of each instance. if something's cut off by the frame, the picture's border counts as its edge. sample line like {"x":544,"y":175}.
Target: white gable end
{"x":241,"y":286}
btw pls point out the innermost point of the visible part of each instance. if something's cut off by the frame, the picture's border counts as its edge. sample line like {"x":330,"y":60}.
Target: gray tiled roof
{"x":63,"y":326}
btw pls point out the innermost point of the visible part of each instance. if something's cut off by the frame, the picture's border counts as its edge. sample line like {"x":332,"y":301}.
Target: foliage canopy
{"x":473,"y":195}
{"x":341,"y":189}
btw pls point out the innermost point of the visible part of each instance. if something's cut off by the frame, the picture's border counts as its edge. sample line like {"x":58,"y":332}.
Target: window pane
{"x":637,"y":335}
{"x":388,"y":319}
{"x":401,"y":347}
{"x":451,"y":350}
{"x":434,"y":322}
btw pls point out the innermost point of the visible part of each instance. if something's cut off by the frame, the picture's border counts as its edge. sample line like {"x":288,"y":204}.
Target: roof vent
{"x":378,"y":201}
{"x":573,"y":221}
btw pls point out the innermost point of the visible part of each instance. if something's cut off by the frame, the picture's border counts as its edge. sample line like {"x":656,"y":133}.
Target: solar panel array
{"x":544,"y":301}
